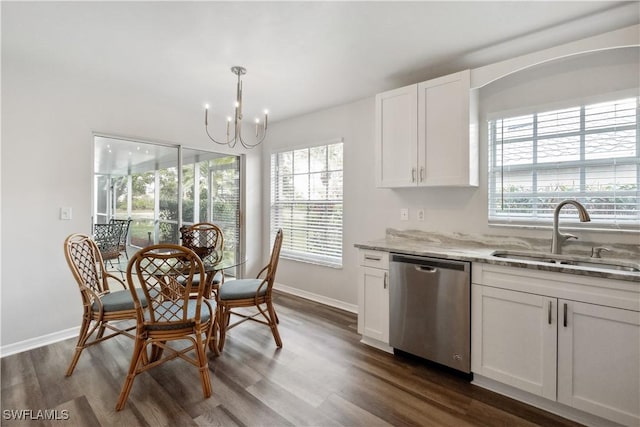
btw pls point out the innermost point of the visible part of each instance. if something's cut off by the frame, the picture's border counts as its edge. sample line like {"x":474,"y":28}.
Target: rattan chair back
{"x":205,"y":239}
{"x":84,"y":260}
{"x":162,"y":270}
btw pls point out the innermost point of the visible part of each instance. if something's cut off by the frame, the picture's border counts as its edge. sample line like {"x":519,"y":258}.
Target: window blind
{"x":589,"y":153}
{"x":306,"y":202}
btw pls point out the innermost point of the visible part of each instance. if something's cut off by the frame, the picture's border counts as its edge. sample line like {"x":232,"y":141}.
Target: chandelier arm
{"x":249,"y":146}
{"x":206,"y":128}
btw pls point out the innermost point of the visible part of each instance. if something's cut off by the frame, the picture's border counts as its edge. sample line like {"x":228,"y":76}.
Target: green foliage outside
{"x":223,"y":199}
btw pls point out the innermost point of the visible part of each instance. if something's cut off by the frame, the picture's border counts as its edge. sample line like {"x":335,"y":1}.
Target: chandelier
{"x":261,"y":128}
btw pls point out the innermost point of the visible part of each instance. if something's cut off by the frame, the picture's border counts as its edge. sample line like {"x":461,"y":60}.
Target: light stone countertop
{"x":480,"y":248}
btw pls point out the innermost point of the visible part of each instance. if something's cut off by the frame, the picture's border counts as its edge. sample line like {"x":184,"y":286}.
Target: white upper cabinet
{"x":427,"y":134}
{"x":447,"y":132}
{"x":397,"y":137}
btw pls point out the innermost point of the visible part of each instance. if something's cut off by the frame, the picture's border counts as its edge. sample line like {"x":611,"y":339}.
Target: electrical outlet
{"x":420,"y":214}
{"x":404,"y":214}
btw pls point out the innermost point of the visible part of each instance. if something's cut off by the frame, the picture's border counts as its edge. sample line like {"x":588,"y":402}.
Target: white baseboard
{"x":31,"y":343}
{"x":542,"y":403}
{"x":352,"y":308}
{"x":377,"y":344}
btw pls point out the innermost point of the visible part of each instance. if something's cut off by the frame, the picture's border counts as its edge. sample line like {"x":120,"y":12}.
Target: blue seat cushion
{"x":217,"y":279}
{"x":205,"y":315}
{"x":241,"y":289}
{"x":119,"y":301}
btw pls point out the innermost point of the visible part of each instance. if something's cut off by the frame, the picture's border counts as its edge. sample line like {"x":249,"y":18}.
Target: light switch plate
{"x":404,"y":214}
{"x":65,"y":213}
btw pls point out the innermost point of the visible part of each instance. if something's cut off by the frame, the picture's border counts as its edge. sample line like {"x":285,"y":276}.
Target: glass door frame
{"x":240,"y":251}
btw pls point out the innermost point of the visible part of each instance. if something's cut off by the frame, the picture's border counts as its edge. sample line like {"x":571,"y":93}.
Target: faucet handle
{"x":597,"y":250}
{"x":567,"y":236}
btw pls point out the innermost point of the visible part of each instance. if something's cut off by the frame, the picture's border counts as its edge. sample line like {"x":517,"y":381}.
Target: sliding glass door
{"x":144,"y":181}
{"x":211,"y":193}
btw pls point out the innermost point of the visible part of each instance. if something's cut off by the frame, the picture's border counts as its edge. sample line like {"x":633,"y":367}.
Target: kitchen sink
{"x":578,"y":261}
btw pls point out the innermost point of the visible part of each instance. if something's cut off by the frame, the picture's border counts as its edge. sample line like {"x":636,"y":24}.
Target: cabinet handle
{"x":413,"y":174}
{"x":549,"y":315}
{"x":565,"y":315}
{"x":422,"y":174}
{"x":372,"y":258}
{"x":384,"y":281}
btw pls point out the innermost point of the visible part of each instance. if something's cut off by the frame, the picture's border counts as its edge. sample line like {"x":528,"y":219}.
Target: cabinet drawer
{"x":375,"y":259}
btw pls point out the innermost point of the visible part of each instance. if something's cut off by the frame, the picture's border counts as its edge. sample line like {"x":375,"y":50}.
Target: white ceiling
{"x":300,"y":56}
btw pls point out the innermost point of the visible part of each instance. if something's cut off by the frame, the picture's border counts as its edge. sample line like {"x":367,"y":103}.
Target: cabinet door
{"x":396,"y":148}
{"x":599,"y":360}
{"x":514,"y":339}
{"x":446,"y":154}
{"x":373,"y":318}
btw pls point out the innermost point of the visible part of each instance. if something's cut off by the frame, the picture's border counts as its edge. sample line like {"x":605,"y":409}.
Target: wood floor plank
{"x":348,"y":414}
{"x":76,"y":412}
{"x":395,"y":406}
{"x":243,"y":406}
{"x":217,"y":417}
{"x":321,"y":376}
{"x":288,"y":405}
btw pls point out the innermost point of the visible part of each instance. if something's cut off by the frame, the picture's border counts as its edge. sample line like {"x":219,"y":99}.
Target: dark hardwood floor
{"x":323,"y":376}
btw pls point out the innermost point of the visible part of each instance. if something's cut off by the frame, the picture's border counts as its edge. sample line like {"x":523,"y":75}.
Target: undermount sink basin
{"x":578,"y":261}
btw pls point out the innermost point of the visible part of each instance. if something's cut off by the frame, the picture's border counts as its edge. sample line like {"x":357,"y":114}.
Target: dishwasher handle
{"x":426,"y":269}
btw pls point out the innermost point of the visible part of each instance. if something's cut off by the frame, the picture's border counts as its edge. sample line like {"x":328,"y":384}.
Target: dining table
{"x":214,"y":262}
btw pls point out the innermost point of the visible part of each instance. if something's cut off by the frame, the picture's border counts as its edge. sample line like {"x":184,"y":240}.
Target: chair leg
{"x":273,"y":324}
{"x":138,"y":349}
{"x":212,"y":336}
{"x":101,"y":329}
{"x":203,"y":364}
{"x":225,"y":315}
{"x":82,"y":339}
{"x":156,"y":352}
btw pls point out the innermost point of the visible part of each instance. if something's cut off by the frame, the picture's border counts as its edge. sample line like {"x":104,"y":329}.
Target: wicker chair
{"x":100,"y":305}
{"x":171,"y":314}
{"x":207,"y":241}
{"x":124,"y":231}
{"x":251,"y":293}
{"x":107,"y":237}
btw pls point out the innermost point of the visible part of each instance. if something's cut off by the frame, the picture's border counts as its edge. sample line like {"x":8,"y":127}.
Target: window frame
{"x":533,"y":219}
{"x":303,"y":256}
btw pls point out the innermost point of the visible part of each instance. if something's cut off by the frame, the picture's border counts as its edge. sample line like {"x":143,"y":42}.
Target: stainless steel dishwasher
{"x":430,"y":309}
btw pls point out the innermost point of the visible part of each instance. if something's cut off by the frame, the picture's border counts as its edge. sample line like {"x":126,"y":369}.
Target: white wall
{"x":48,"y":116}
{"x":353,"y":123}
{"x":368,"y":211}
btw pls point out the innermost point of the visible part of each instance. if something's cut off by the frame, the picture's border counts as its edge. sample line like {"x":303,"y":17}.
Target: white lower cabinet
{"x":580,"y":354}
{"x":515,"y":342}
{"x":373,"y":298}
{"x":599,"y":361}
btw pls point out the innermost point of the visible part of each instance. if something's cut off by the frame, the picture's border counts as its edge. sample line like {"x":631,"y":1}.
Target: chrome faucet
{"x":558,"y":238}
